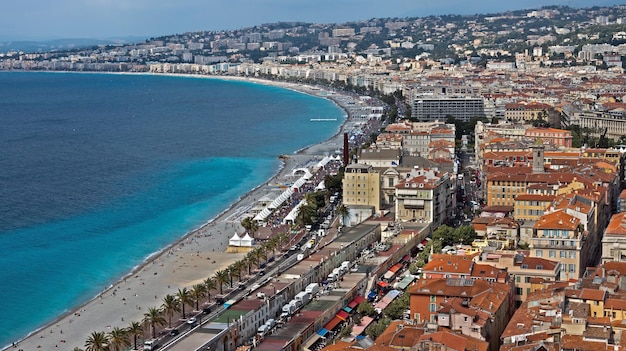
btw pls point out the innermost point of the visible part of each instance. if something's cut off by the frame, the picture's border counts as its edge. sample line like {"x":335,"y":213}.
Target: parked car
{"x":174,"y":332}
{"x":192,"y":320}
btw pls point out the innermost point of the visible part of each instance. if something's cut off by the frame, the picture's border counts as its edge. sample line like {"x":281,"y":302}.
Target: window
{"x":572,"y":267}
{"x":526,"y":279}
{"x":572,"y":254}
{"x":519,"y":291}
{"x":552,"y":253}
{"x":518,"y":279}
{"x":538,"y":253}
{"x":432,"y":307}
{"x":433,"y":298}
{"x":563,"y":254}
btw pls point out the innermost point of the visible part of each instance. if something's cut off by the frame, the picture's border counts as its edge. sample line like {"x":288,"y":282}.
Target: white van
{"x":150,"y":345}
{"x":262,"y":330}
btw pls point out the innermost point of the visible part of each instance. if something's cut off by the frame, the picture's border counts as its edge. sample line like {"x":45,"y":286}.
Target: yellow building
{"x":529,"y":207}
{"x":361,"y":186}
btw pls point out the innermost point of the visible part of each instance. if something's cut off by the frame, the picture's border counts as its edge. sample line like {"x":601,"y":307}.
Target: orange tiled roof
{"x":617,"y":225}
{"x":557,"y":220}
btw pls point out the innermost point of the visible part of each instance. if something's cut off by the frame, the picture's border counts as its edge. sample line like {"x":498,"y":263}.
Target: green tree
{"x":184,"y":298}
{"x":118,"y":339}
{"x":464,"y":234}
{"x":170,"y":305}
{"x":377,"y":328}
{"x":334,"y":183}
{"x":366,"y":308}
{"x":343,"y":212}
{"x":396,"y":308}
{"x":135,"y":330}
{"x":444,"y":234}
{"x":97,"y":341}
{"x":250,"y":225}
{"x":306,"y":214}
{"x":210,"y":285}
{"x":153,"y":317}
{"x":221,"y":277}
{"x":198,"y":292}
{"x":345,"y":331}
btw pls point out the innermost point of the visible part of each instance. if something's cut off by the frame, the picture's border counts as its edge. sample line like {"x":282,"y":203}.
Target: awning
{"x":396,"y":267}
{"x":406,"y":258}
{"x":356,"y":301}
{"x":424,"y":242}
{"x":382,"y":284}
{"x":333,"y":323}
{"x":322,"y":332}
{"x":347,"y":309}
{"x":388,"y":275}
{"x":343,"y":315}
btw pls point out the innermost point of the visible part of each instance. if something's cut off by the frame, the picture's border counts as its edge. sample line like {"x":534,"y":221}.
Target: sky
{"x":111,"y":19}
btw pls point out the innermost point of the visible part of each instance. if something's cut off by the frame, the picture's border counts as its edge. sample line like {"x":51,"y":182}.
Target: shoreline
{"x":68,"y":334}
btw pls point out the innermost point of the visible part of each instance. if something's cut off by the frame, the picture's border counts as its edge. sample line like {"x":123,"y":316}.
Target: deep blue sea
{"x":99,"y":171}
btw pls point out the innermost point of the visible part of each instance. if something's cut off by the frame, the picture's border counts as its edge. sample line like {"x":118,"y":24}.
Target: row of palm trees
{"x":119,"y":339}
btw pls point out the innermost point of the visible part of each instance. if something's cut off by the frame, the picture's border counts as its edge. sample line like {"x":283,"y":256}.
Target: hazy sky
{"x":103,"y":19}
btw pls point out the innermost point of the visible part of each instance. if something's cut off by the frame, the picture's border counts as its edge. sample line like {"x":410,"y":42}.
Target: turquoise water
{"x":100,"y":171}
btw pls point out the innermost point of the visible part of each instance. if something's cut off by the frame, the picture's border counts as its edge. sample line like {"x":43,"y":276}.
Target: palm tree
{"x":343,"y":212}
{"x":184,"y":298}
{"x":118,"y":339}
{"x":253,"y":258}
{"x":250,"y":225}
{"x":97,"y":341}
{"x":153,"y":318}
{"x":169,"y":306}
{"x":271,"y":245}
{"x":262,"y":253}
{"x":282,"y":240}
{"x":210,"y":284}
{"x":198,"y":292}
{"x":134,"y":329}
{"x":235,"y":271}
{"x":221,"y":277}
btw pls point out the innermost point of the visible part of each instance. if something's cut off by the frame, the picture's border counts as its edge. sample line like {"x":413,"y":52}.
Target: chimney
{"x":346,"y":150}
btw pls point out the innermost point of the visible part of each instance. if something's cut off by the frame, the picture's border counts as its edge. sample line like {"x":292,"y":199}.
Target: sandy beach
{"x":184,"y":263}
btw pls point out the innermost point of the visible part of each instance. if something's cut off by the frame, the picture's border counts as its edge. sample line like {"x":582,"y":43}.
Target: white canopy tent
{"x":263,"y":215}
{"x":235,"y":240}
{"x":321,"y":186}
{"x":281,"y":198}
{"x":247,"y":240}
{"x":291,"y":216}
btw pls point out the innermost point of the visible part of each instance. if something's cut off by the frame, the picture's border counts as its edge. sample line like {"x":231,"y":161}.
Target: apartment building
{"x":361,"y":186}
{"x":484,"y":307}
{"x":425,"y":195}
{"x":428,"y":108}
{"x":529,"y":273}
{"x":559,"y":236}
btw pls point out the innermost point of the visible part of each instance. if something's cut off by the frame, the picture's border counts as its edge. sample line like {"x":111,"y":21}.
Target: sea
{"x":100,"y":171}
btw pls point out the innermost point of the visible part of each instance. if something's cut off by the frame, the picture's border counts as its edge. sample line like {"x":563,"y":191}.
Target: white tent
{"x":323,"y":161}
{"x":291,"y":216}
{"x":263,"y":214}
{"x":301,"y":181}
{"x":321,"y":186}
{"x":247,"y":241}
{"x":235,"y":240}
{"x":281,"y":198}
